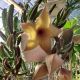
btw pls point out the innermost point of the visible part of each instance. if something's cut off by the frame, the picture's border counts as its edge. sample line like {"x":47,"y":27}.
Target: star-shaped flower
{"x":36,"y":39}
{"x":36,"y":45}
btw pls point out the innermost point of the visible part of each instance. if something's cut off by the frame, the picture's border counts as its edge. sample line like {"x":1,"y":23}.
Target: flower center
{"x":41,"y":32}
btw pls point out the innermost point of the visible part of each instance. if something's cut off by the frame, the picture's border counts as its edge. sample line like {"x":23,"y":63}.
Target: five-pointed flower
{"x":36,"y":44}
{"x":36,"y":39}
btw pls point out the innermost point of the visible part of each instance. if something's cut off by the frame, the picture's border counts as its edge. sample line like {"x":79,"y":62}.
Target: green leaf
{"x":4,"y":20}
{"x":76,"y":32}
{"x":10,"y":18}
{"x":18,"y":40}
{"x":52,"y":8}
{"x":33,"y":12}
{"x":36,"y":15}
{"x":23,"y":66}
{"x":77,"y":48}
{"x":39,"y":1}
{"x":6,"y":64}
{"x":16,"y":23}
{"x":73,"y":58}
{"x":24,"y":16}
{"x":44,"y":1}
{"x":18,"y":62}
{"x":2,"y":52}
{"x":10,"y":41}
{"x":8,"y":52}
{"x":70,"y":23}
{"x":3,"y":36}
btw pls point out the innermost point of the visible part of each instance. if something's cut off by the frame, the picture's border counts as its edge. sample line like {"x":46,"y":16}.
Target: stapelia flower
{"x":40,"y":72}
{"x":52,"y":63}
{"x":65,"y":74}
{"x":38,"y":34}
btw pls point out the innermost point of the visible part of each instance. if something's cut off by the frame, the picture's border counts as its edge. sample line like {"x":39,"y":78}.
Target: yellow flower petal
{"x":43,"y":38}
{"x":46,"y":45}
{"x":43,"y":20}
{"x":29,"y":29}
{"x":26,"y":42}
